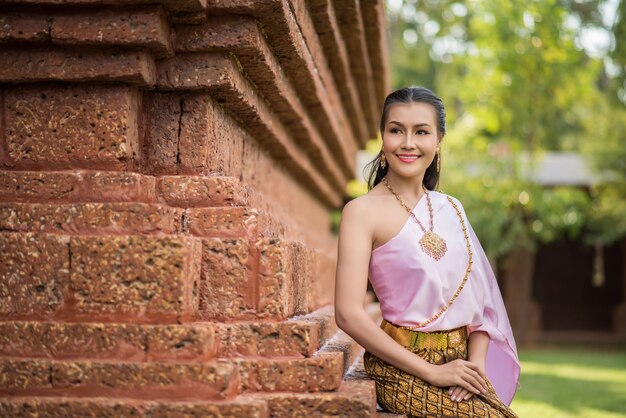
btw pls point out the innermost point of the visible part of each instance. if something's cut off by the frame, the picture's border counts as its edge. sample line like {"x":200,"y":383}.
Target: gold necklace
{"x":431,"y":243}
{"x":470,"y":261}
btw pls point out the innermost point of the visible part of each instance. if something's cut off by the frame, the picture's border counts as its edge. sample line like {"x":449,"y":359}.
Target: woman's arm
{"x":477,"y":345}
{"x":355,"y":246}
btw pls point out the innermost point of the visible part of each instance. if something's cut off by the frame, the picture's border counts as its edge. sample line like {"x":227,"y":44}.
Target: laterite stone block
{"x":107,"y":341}
{"x":199,"y":191}
{"x":227,"y":288}
{"x":138,"y":275}
{"x":71,"y":126}
{"x":132,"y":27}
{"x":154,"y":380}
{"x":34,"y":273}
{"x":96,"y":218}
{"x":75,"y":186}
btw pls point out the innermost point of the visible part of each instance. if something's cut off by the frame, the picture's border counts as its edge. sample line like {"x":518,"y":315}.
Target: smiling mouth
{"x":407,"y":158}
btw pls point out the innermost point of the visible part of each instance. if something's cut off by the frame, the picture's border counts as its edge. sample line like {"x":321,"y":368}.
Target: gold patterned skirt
{"x":402,"y":393}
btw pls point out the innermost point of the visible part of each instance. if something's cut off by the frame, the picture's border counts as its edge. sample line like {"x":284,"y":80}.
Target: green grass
{"x":578,"y":382}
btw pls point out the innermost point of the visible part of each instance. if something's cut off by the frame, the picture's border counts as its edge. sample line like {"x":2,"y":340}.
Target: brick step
{"x":136,"y":27}
{"x":298,"y":337}
{"x":163,"y":380}
{"x":350,"y":400}
{"x":63,"y":407}
{"x":216,"y":379}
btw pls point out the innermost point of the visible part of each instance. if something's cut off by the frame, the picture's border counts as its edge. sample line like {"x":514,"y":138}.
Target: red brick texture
{"x":167,"y":169}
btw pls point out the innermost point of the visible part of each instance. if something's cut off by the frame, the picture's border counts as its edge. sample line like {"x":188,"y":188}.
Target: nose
{"x":409,"y":141}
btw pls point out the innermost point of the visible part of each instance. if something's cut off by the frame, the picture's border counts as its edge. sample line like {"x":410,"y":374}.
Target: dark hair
{"x":409,"y":95}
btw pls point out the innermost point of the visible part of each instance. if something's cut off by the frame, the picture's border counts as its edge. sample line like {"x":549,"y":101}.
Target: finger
{"x":458,"y":393}
{"x":474,"y":384}
{"x":468,"y":396}
{"x":464,"y":382}
{"x":451,"y":389}
{"x":480,"y":380}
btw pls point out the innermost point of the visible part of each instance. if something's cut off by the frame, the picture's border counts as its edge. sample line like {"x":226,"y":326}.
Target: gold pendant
{"x":433,"y":245}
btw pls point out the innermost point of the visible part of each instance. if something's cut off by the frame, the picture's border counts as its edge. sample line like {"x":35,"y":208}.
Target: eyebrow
{"x":415,"y":126}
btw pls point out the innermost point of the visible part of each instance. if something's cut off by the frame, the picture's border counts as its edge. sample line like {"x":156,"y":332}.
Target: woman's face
{"x":410,"y":138}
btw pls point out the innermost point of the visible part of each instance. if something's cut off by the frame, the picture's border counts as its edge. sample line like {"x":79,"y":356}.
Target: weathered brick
{"x":286,"y":33}
{"x":34,"y":273}
{"x":160,"y":380}
{"x":223,"y":222}
{"x":121,"y":186}
{"x":268,"y":339}
{"x":29,"y":406}
{"x":107,"y":341}
{"x":63,"y":407}
{"x":181,"y":136}
{"x":180,"y":342}
{"x":70,"y":126}
{"x":142,"y":276}
{"x":138,"y":27}
{"x":342,"y":342}
{"x":94,"y":218}
{"x":66,"y":340}
{"x":227,"y":288}
{"x":190,"y":191}
{"x":23,"y":374}
{"x":323,"y":13}
{"x":170,"y":5}
{"x":34,"y":186}
{"x":352,"y":27}
{"x":321,"y":372}
{"x":218,"y":74}
{"x":284,"y":277}
{"x":238,"y":408}
{"x":354,"y":400}
{"x":242,"y":36}
{"x":275,"y":287}
{"x":70,"y":64}
{"x":377,"y":45}
{"x":18,"y":27}
{"x":72,"y":186}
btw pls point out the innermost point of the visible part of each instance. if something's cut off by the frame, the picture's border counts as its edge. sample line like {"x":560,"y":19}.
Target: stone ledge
{"x":100,"y":341}
{"x":162,"y":380}
{"x":219,"y":75}
{"x":170,"y":5}
{"x":73,"y":64}
{"x":351,"y":23}
{"x":323,"y":14}
{"x":242,"y":36}
{"x":76,"y":186}
{"x":134,"y":27}
{"x":63,"y":407}
{"x":318,"y":88}
{"x":373,"y":13}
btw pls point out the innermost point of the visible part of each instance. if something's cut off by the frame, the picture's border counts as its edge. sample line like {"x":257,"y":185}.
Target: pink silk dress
{"x":412,"y":287}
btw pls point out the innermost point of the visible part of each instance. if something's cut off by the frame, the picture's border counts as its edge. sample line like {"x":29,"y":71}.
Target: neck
{"x":410,"y":187}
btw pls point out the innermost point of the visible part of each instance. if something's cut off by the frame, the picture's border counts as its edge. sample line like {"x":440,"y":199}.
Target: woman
{"x":445,"y":346}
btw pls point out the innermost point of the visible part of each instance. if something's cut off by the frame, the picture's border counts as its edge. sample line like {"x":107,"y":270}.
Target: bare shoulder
{"x":358,"y":209}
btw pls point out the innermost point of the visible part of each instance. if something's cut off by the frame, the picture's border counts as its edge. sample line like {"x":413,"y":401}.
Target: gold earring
{"x":438,"y":161}
{"x":383,"y":161}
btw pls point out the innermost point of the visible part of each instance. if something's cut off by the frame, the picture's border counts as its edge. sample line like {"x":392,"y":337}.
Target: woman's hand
{"x":459,"y":372}
{"x":458,"y":393}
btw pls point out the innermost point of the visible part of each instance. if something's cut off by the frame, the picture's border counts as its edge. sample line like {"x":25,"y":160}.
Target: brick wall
{"x":167,"y":169}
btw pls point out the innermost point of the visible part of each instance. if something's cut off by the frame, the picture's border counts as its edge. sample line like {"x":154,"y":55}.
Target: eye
{"x":394,"y":130}
{"x":422,"y":132}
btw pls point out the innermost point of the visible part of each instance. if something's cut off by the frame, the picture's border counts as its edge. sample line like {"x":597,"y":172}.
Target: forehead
{"x":412,"y":113}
